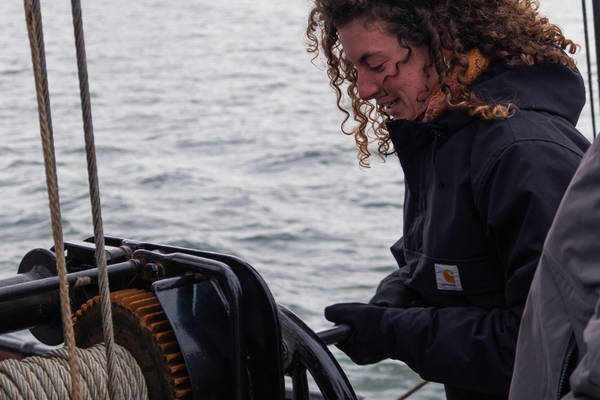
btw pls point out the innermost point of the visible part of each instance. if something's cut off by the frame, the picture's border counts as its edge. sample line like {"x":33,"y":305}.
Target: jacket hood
{"x":548,"y":88}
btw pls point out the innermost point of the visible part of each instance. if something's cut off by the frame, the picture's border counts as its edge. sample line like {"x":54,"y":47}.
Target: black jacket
{"x":479,"y":199}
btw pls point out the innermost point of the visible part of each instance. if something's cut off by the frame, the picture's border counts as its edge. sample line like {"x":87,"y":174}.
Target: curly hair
{"x":507,"y":31}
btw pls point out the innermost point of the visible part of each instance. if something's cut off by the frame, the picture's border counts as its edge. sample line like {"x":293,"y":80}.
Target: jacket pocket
{"x":475,"y":280}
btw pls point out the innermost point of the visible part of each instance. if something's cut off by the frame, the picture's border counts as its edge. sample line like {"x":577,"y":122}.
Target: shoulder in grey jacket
{"x":558,"y":350}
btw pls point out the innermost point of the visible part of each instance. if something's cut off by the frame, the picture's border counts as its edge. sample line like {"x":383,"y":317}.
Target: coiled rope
{"x":47,"y":377}
{"x":52,"y":377}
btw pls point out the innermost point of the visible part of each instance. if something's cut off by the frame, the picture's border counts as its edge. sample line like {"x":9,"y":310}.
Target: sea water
{"x":213,"y":131}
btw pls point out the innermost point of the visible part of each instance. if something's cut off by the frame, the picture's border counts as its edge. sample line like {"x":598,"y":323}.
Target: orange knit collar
{"x":437,"y":101}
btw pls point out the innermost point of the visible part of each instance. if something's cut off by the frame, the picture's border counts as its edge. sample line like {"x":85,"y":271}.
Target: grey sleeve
{"x":585,"y":380}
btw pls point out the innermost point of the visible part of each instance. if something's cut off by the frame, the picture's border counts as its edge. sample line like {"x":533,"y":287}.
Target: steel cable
{"x":94,"y":187}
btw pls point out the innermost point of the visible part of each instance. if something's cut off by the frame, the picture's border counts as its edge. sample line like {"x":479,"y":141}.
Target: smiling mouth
{"x":387,"y":106}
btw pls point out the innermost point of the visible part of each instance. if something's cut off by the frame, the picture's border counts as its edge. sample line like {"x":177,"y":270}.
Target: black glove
{"x":392,"y":292}
{"x":371,"y":340}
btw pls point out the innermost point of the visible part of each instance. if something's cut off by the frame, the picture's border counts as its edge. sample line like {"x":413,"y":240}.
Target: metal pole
{"x":335,"y":335}
{"x":588,"y":58}
{"x":122,"y":271}
{"x":35,"y":303}
{"x":15,"y":345}
{"x":596,"y":12}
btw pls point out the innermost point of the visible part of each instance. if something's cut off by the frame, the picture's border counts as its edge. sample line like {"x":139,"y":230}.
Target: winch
{"x":201,"y":325}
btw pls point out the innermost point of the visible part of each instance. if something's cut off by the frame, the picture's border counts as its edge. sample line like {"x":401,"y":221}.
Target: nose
{"x":367,"y":86}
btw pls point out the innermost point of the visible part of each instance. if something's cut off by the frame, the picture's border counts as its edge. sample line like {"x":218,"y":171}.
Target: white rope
{"x":33,"y":16}
{"x":70,"y":372}
{"x":34,"y":25}
{"x":47,"y":377}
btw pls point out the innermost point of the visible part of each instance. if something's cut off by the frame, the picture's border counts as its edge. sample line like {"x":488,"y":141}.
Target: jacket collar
{"x":409,"y":135}
{"x":540,"y":87}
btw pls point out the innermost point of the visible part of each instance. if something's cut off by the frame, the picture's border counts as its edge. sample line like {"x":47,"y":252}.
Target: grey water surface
{"x":213,"y":131}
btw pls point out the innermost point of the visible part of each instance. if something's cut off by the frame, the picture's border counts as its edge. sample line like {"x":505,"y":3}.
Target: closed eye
{"x":375,"y":68}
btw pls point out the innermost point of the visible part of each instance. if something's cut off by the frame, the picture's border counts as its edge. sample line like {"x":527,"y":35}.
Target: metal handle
{"x":337,"y":334}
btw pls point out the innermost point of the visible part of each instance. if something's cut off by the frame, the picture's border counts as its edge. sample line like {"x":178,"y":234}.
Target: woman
{"x":479,"y":100}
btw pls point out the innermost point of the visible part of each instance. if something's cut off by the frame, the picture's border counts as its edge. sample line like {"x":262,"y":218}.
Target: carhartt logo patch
{"x":447,"y":277}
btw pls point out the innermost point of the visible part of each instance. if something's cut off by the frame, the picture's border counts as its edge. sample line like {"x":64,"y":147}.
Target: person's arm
{"x":570,"y":258}
{"x":472,"y":347}
{"x":391,"y":291}
{"x":467,"y":347}
{"x":585,"y":379}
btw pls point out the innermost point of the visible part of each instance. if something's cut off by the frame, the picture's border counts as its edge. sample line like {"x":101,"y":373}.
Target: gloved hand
{"x":371,"y":340}
{"x":392,"y":292}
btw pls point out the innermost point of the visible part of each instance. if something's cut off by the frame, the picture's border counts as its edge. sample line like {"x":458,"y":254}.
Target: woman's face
{"x":386,"y":72}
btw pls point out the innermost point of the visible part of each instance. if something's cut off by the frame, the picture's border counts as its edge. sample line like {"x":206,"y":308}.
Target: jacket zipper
{"x":568,"y":365}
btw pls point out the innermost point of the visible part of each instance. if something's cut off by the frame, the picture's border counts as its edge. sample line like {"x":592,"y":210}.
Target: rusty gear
{"x":141,"y":326}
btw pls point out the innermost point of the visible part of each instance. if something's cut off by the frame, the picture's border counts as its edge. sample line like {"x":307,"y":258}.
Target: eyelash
{"x":377,"y":68}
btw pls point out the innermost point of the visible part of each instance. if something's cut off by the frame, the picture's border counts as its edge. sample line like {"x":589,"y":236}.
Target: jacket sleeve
{"x":391,"y":291}
{"x":585,"y":379}
{"x":571,"y":256}
{"x":472,"y":347}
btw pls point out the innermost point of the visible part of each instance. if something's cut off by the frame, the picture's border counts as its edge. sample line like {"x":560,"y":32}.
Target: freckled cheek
{"x":406,"y":83}
{"x":409,"y":95}
{"x":396,"y":86}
